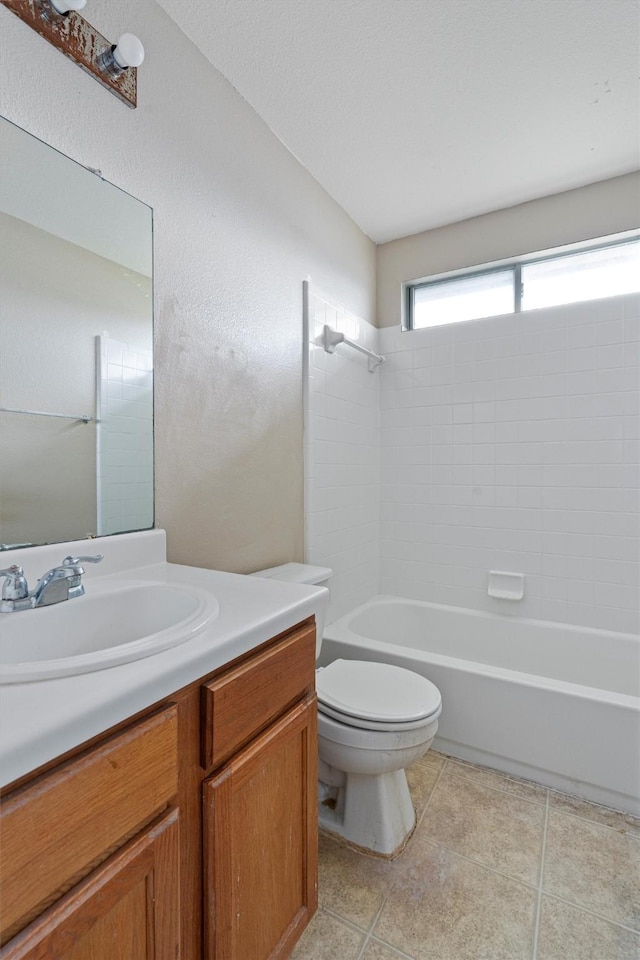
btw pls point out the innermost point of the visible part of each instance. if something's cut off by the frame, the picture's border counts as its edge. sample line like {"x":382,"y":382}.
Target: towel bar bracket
{"x":330,"y":339}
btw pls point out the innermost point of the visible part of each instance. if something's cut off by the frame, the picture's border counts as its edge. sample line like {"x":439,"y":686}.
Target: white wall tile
{"x":498,"y":449}
{"x":124,"y":437}
{"x":342,"y":420}
{"x":539,"y":449}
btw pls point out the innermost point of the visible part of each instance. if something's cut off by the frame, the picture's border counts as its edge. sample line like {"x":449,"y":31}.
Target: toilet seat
{"x":376,"y":696}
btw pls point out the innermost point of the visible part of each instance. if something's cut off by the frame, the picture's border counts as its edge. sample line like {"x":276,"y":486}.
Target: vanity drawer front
{"x":244,"y":700}
{"x":111,"y":791}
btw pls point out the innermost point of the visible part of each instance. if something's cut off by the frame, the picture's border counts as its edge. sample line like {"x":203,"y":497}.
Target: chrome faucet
{"x":58,"y":584}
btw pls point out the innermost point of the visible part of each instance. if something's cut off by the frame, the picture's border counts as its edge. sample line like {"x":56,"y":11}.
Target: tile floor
{"x":497,"y":869}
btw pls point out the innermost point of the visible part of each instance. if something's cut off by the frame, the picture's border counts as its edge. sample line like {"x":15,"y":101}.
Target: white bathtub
{"x":545,"y":701}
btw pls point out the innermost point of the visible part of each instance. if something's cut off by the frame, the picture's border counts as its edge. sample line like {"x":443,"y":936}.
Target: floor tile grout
{"x":370,"y":936}
{"x":371,"y":928}
{"x":479,"y":863}
{"x":592,"y":803}
{"x":456,"y":772}
{"x":543,"y":852}
{"x":598,"y":823}
{"x":456,"y":853}
{"x":352,"y":926}
{"x":385,"y":943}
{"x":504,"y":793}
{"x":372,"y":925}
{"x":441,"y":774}
{"x":550,"y":792}
{"x":426,"y":806}
{"x":349,"y":923}
{"x":592,"y":913}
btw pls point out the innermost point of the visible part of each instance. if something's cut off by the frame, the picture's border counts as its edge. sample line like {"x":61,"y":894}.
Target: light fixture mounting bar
{"x":79,"y":41}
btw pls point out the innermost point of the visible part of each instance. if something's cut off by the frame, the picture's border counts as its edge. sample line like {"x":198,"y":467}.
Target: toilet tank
{"x":301,"y":573}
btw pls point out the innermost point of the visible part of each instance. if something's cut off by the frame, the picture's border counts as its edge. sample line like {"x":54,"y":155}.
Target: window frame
{"x":515,"y":264}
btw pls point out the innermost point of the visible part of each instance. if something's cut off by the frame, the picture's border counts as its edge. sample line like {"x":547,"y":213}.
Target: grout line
{"x":450,"y":763}
{"x":536,"y":928}
{"x":349,"y":923}
{"x":362,"y":949}
{"x":625,"y":829}
{"x":478,"y":863}
{"x":369,"y":935}
{"x":509,"y":793}
{"x":433,"y":790}
{"x":592,"y":913}
{"x":377,"y":915}
{"x":395,"y":949}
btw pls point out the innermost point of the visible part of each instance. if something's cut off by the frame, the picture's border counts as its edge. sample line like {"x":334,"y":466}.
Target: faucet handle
{"x":16,"y":587}
{"x":73,"y":569}
{"x":74,"y":561}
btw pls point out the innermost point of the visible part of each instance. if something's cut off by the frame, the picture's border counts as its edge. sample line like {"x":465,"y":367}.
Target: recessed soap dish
{"x":505,"y":585}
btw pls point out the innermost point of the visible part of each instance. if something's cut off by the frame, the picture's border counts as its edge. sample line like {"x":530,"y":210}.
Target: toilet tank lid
{"x":296,"y":573}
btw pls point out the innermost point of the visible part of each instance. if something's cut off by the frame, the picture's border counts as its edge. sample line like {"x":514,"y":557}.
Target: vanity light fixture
{"x":127,"y":52}
{"x":59,"y":22}
{"x":53,"y":9}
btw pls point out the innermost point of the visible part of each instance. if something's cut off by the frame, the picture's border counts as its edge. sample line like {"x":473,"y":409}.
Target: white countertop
{"x":43,"y":719}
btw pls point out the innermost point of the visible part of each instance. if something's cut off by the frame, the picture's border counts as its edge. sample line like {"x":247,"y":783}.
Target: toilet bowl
{"x":374,"y":720}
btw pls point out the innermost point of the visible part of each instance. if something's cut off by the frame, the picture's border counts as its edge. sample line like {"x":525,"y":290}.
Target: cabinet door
{"x":127,"y":909}
{"x":72,"y":818}
{"x":260,"y":842}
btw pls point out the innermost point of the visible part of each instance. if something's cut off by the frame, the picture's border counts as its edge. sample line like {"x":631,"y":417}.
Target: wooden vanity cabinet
{"x":128,"y":908}
{"x":90,"y":851}
{"x":260,"y":807}
{"x":189,"y":832}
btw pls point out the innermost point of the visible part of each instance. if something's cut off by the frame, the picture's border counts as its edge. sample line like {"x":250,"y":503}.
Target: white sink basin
{"x":113,"y":623}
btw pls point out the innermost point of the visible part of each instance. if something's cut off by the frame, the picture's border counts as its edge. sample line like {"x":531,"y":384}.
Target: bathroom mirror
{"x":76,"y":338}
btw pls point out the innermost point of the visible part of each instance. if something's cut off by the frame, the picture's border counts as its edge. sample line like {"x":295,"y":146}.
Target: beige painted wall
{"x":238,"y":226}
{"x":598,"y":210}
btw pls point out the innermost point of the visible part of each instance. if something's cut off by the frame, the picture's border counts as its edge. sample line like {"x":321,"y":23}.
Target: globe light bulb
{"x":66,"y":6}
{"x":128,"y":51}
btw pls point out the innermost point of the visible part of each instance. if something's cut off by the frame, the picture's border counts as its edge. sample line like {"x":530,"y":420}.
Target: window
{"x":603,"y":271}
{"x":463,"y":298}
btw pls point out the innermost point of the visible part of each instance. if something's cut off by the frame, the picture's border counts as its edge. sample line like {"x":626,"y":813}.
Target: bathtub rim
{"x":612,"y":697}
{"x":343,"y":642}
{"x":483,"y":615}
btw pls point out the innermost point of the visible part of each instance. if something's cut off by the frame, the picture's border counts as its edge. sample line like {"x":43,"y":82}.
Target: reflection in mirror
{"x":76,"y":336}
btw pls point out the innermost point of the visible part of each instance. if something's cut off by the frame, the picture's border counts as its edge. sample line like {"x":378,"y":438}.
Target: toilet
{"x":374,"y":720}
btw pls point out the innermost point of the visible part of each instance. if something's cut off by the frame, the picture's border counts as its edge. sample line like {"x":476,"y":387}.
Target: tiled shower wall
{"x":512,"y":444}
{"x":341,"y":456}
{"x":125,"y":436}
{"x":509,"y":443}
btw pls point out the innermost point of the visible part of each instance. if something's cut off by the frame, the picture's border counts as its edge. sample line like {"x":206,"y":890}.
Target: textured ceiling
{"x":416,"y":113}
